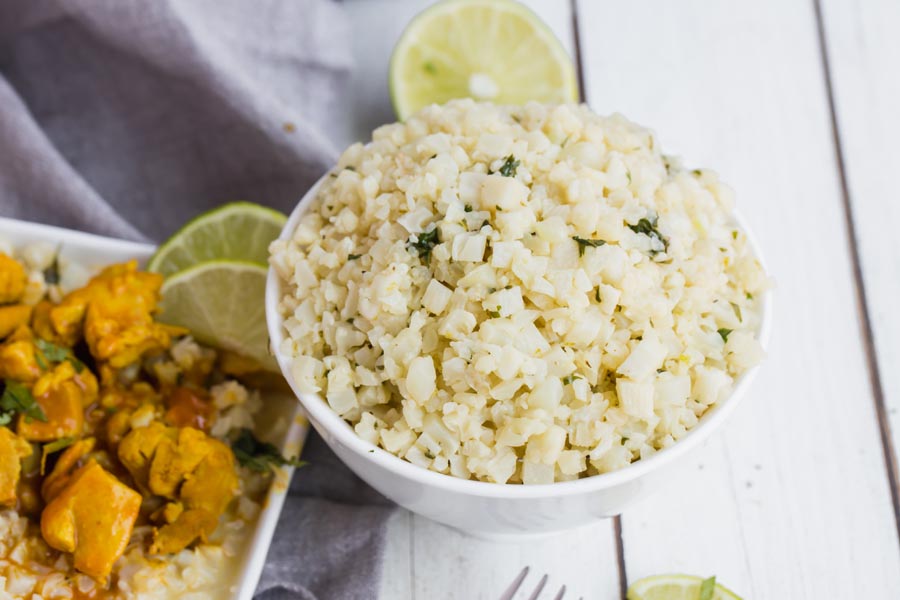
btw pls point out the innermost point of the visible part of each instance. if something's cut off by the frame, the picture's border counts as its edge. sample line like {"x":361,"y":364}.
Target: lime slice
{"x":236,"y":231}
{"x":222,"y":302}
{"x":676,"y":587}
{"x":495,"y":50}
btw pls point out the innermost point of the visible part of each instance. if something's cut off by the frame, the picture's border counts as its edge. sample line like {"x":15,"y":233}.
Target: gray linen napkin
{"x":127,"y":117}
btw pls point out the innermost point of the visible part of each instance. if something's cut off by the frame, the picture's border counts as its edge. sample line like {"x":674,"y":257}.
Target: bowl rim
{"x":321,"y":414}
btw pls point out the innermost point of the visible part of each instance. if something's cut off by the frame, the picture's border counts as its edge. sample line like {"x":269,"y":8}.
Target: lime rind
{"x":683,"y":587}
{"x":222,"y":303}
{"x":541,"y":35}
{"x":238,"y":230}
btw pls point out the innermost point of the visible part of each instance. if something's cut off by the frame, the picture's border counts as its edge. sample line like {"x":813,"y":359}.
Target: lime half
{"x":496,"y":50}
{"x":236,"y":231}
{"x":222,"y":302}
{"x":679,"y":587}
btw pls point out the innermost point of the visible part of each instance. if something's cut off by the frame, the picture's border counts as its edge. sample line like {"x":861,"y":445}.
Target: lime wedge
{"x":676,"y":587}
{"x":494,"y":50}
{"x":222,"y":302}
{"x":236,"y":231}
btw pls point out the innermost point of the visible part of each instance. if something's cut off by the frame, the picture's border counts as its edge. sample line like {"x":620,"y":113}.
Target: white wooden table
{"x":797,"y":104}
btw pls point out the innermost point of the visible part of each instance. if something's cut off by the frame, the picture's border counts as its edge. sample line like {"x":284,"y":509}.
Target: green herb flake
{"x":494,"y":314}
{"x":259,"y":456}
{"x":585,"y":243}
{"x":56,"y":354}
{"x":570,"y":378}
{"x":697,"y":172}
{"x":425,"y":243}
{"x":350,"y":168}
{"x":737,"y":311}
{"x":648,"y":227}
{"x":734,"y":234}
{"x":60,"y":444}
{"x":509,"y":166}
{"x":724,"y":333}
{"x":468,"y":208}
{"x":51,"y":273}
{"x":628,"y":174}
{"x":707,"y":588}
{"x":749,"y":296}
{"x":353,"y":256}
{"x":17,"y":398}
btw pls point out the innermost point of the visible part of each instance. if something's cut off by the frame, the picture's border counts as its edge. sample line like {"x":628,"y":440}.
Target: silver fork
{"x":517,"y":583}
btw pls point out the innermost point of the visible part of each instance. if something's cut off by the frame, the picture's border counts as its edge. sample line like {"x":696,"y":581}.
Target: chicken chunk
{"x":12,"y":450}
{"x":12,"y":317}
{"x":13,"y":279}
{"x":18,"y":361}
{"x":63,"y":395}
{"x":188,"y":527}
{"x":116,"y":310}
{"x":92,"y":517}
{"x":188,"y":467}
{"x":67,"y":463}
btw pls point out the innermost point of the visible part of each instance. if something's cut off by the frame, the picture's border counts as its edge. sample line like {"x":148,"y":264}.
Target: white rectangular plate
{"x":95,"y":252}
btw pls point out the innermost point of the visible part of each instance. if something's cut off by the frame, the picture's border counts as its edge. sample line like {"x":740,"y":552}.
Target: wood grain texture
{"x":792,"y":499}
{"x":864,"y":55}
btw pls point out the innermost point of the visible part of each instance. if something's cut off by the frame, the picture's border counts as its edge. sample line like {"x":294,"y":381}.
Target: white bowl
{"x":94,"y":251}
{"x":489,"y":509}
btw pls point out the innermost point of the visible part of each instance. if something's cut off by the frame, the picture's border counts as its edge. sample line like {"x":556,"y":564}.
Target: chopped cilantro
{"x":737,"y":311}
{"x":725,"y":333}
{"x":259,"y":456}
{"x":570,"y":378}
{"x":648,"y":228}
{"x":468,"y":208}
{"x":60,"y":444}
{"x":56,"y":354}
{"x":424,"y":244}
{"x":585,"y":243}
{"x":51,"y":273}
{"x":509,"y":166}
{"x":494,"y":314}
{"x":17,"y":398}
{"x":697,"y":172}
{"x":353,"y":256}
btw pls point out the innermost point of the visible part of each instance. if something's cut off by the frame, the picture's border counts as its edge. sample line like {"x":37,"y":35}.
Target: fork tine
{"x":537,"y":590}
{"x":514,"y":586}
{"x":560,"y":593}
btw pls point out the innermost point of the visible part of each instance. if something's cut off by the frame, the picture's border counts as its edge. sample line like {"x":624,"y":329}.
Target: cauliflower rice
{"x":519,"y":294}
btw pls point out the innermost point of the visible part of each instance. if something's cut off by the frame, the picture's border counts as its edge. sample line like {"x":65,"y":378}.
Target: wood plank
{"x":450,"y":564}
{"x":396,"y":575}
{"x":864,"y":54}
{"x":792,"y":500}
